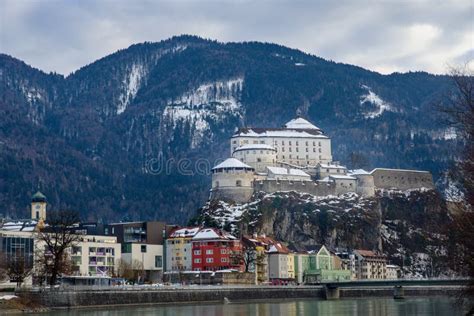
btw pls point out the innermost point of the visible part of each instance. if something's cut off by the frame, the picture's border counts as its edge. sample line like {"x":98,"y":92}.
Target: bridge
{"x":332,"y":287}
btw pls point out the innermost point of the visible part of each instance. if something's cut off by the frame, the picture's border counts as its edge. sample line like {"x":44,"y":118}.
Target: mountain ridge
{"x":114,"y":115}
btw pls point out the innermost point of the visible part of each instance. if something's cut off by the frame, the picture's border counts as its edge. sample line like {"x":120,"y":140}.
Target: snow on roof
{"x":341,"y":177}
{"x":231,"y":163}
{"x":184,"y":232}
{"x":285,"y":171}
{"x":259,"y":132}
{"x":212,"y":233}
{"x":300,"y":123}
{"x":298,"y":172}
{"x":331,"y":166}
{"x":398,"y":170}
{"x":358,"y":172}
{"x":255,"y":147}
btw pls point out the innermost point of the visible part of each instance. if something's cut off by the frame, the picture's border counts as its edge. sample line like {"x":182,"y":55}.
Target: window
{"x":224,"y":260}
{"x":216,"y":184}
{"x":209,"y":252}
{"x":307,"y":149}
{"x":209,"y":260}
{"x":306,"y":143}
{"x":283,"y":142}
{"x":126,"y":248}
{"x":238,"y":183}
{"x":223,"y":251}
{"x":320,"y":150}
{"x":289,"y":142}
{"x":314,"y":150}
{"x":143,"y":248}
{"x":296,"y":143}
{"x":158,"y":261}
{"x":197,"y":260}
{"x":319,"y":144}
{"x":197,"y":252}
{"x":259,"y":160}
{"x":234,"y":142}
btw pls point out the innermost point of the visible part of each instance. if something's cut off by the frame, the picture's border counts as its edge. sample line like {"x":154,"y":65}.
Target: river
{"x":366,"y":306}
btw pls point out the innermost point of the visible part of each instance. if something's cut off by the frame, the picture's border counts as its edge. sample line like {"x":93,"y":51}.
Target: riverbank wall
{"x":94,"y":298}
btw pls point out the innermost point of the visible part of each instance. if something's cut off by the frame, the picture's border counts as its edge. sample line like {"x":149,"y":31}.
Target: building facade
{"x":370,"y":265}
{"x":179,"y":249}
{"x":214,"y":250}
{"x":95,"y":256}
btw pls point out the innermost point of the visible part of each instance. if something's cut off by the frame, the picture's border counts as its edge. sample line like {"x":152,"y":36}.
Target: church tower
{"x":38,"y":206}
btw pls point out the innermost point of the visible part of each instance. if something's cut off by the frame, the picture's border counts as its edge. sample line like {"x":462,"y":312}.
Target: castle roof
{"x":230,"y":163}
{"x":300,"y":123}
{"x":38,"y":197}
{"x":298,"y":127}
{"x":397,"y":170}
{"x":286,"y":172}
{"x":255,"y":147}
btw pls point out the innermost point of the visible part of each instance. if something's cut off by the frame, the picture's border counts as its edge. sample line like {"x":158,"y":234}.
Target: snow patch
{"x":374,"y":99}
{"x":131,"y":83}
{"x":208,"y":102}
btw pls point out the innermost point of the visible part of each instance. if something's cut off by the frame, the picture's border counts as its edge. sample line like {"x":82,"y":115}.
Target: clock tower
{"x":38,"y":206}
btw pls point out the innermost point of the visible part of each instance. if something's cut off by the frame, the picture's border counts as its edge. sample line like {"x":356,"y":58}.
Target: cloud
{"x":381,"y":35}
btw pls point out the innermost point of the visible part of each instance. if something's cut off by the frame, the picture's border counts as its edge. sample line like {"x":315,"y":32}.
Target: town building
{"x":370,"y":265}
{"x":142,"y":246}
{"x":392,"y":271}
{"x":95,"y":256}
{"x":214,"y":250}
{"x":179,"y":249}
{"x":318,"y":264}
{"x":281,"y":265}
{"x":259,"y":245}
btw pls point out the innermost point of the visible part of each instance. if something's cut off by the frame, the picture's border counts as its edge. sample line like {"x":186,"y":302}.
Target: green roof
{"x":38,"y":197}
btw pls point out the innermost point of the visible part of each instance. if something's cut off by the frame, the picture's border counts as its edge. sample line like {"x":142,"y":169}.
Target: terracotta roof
{"x":368,"y":253}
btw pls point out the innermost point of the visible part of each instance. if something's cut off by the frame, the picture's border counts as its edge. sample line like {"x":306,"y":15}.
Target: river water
{"x":366,"y":306}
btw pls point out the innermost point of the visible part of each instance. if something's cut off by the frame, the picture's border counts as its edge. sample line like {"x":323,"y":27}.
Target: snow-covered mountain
{"x":88,"y":140}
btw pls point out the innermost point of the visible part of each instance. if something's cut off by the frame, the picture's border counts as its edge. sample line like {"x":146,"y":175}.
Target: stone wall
{"x":237,"y":194}
{"x":210,"y":278}
{"x":314,"y":188}
{"x":402,"y":179}
{"x":68,"y":299}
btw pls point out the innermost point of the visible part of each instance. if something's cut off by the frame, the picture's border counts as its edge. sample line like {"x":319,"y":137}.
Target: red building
{"x":215,"y":250}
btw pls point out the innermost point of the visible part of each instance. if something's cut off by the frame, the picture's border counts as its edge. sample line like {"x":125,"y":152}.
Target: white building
{"x":95,"y":256}
{"x":392,"y":271}
{"x":257,"y":156}
{"x":179,"y":249}
{"x":150,"y":256}
{"x":298,"y":142}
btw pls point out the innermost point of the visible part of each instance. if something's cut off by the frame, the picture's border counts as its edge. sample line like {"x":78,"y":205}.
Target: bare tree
{"x":131,"y":271}
{"x":18,"y":268}
{"x":459,"y":108}
{"x":57,"y":237}
{"x":15,"y":267}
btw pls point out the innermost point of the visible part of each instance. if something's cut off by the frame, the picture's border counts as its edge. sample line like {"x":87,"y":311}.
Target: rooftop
{"x":286,"y":172}
{"x":255,"y":147}
{"x":231,"y":163}
{"x":300,"y":123}
{"x":398,"y":170}
{"x":184,"y":232}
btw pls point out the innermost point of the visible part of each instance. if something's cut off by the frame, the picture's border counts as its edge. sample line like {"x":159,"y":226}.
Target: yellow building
{"x":179,"y":249}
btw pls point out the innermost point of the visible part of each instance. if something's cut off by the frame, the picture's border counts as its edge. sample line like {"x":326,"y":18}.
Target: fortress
{"x":298,"y":157}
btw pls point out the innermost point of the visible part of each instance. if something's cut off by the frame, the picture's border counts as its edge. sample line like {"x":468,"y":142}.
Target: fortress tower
{"x":232,"y":180}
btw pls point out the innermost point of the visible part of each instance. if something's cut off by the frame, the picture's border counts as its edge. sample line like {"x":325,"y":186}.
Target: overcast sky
{"x":381,"y":35}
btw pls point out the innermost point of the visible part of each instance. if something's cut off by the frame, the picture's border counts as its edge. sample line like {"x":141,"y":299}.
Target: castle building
{"x":298,"y":142}
{"x":297,"y":157}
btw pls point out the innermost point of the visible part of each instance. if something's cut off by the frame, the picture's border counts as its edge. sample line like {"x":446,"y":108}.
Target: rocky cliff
{"x":410,"y":227}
